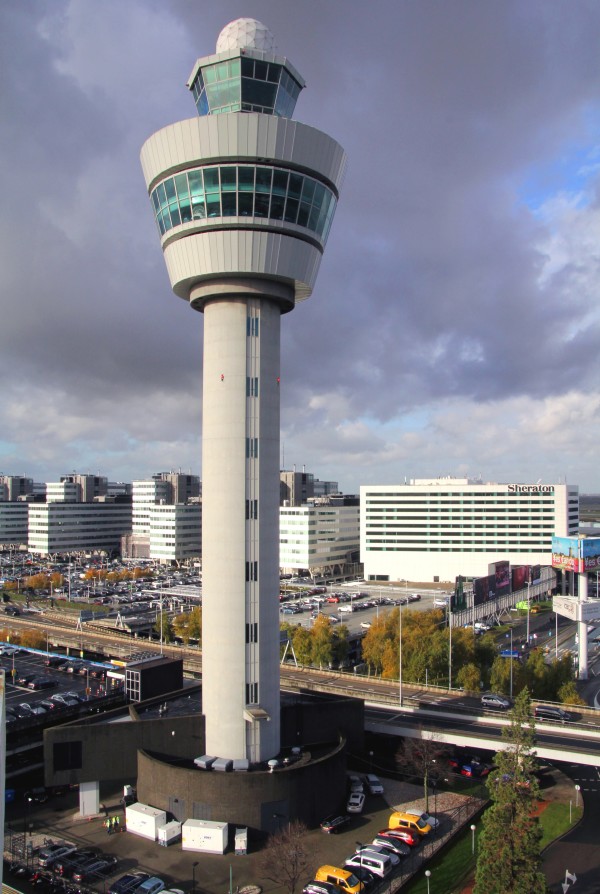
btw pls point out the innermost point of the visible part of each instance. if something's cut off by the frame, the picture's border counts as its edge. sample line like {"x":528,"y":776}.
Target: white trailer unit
{"x":169,"y":833}
{"x":144,"y":820}
{"x":204,"y":835}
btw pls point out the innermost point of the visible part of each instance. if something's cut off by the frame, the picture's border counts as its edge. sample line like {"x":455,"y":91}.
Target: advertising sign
{"x":484,"y":589}
{"x":590,"y":553}
{"x":572,"y":608}
{"x":576,"y":553}
{"x":520,"y":577}
{"x":565,"y":553}
{"x":501,"y":574}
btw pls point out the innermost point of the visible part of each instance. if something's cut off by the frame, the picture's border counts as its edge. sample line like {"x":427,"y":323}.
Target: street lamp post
{"x":25,"y":825}
{"x":194,"y":877}
{"x":449,"y":650}
{"x":427,"y":876}
{"x":473,"y":827}
{"x":400,"y":653}
{"x":511,"y":662}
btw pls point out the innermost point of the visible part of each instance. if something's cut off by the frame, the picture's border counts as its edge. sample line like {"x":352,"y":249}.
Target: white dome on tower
{"x":245,"y":33}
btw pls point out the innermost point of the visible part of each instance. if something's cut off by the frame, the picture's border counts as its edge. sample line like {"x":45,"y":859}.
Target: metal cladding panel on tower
{"x":242,"y":136}
{"x":203,"y":256}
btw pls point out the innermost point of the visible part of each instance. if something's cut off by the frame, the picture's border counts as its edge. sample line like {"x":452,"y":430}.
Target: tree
{"x":284,"y":860}
{"x":302,"y":643}
{"x":509,"y":859}
{"x":33,"y":639}
{"x":322,"y":641}
{"x":420,"y":757}
{"x":164,"y":622}
{"x":469,"y":677}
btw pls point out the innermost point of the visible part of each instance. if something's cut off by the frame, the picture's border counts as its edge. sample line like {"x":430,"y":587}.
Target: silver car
{"x":490,"y":700}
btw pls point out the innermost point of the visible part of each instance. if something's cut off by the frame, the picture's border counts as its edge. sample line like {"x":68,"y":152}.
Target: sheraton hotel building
{"x":435,"y":529}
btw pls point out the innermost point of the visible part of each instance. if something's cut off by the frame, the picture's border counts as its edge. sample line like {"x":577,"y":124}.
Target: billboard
{"x":590,"y":553}
{"x":458,"y":600}
{"x":576,"y":553}
{"x":520,"y":577}
{"x":500,"y":571}
{"x":484,"y":589}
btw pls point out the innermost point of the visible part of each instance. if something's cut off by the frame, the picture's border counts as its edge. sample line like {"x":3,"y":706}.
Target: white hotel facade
{"x":435,"y":529}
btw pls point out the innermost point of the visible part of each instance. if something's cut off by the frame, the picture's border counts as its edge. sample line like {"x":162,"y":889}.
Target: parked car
{"x":491,"y":700}
{"x":31,"y":710}
{"x":355,"y":783}
{"x":66,"y":865}
{"x":128,"y":883}
{"x":334,"y":823}
{"x":96,"y":867}
{"x":364,"y":875}
{"x":320,"y":888}
{"x":42,"y":683}
{"x":427,"y":818}
{"x":380,"y":850}
{"x":475,"y":771}
{"x":151,"y":885}
{"x":373,"y":784}
{"x":406,"y":835}
{"x":397,"y":847}
{"x":356,"y":802}
{"x":50,"y":853}
{"x":66,"y":701}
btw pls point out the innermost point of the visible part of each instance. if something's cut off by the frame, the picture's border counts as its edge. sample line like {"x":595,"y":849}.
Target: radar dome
{"x":245,"y":33}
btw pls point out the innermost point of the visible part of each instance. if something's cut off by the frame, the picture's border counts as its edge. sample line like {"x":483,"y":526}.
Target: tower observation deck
{"x":244,"y":198}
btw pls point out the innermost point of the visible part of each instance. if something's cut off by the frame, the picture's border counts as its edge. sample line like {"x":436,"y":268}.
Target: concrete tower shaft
{"x":244,"y":199}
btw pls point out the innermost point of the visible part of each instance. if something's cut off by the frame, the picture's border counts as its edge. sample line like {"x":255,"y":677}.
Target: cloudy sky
{"x":454,"y":328}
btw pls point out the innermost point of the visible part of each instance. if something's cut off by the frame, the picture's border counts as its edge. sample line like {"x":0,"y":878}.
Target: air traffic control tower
{"x":244,"y":198}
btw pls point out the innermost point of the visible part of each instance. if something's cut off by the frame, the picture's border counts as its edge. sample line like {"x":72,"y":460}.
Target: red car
{"x":404,"y":835}
{"x":474,"y":770}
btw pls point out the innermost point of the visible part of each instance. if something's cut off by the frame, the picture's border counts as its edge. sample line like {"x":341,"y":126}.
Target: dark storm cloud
{"x":435,"y":283}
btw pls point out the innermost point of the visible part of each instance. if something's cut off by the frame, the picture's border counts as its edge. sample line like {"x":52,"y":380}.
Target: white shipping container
{"x":169,"y":833}
{"x":204,"y":835}
{"x":143,"y":820}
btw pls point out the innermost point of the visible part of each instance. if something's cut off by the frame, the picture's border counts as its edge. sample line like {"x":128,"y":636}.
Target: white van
{"x":378,"y":864}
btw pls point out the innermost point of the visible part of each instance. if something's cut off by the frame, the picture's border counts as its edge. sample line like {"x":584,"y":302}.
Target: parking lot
{"x":59,"y":821}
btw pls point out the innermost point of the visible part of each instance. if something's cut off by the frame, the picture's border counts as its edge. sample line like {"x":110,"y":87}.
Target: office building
{"x":243,"y":198}
{"x":322,"y":536}
{"x":88,"y":487}
{"x":295,"y":488}
{"x":325,"y":488}
{"x":15,"y":487}
{"x":435,"y":529}
{"x":175,"y":532}
{"x":61,"y":527}
{"x":13,"y":522}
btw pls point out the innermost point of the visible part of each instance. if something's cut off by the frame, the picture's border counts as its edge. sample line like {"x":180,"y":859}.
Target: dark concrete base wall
{"x":308,"y":790}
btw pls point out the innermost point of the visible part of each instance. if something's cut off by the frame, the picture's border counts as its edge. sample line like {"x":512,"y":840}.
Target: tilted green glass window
{"x":244,"y":191}
{"x":247,"y":85}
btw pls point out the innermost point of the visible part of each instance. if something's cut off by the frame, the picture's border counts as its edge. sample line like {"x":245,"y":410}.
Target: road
{"x":579,"y":851}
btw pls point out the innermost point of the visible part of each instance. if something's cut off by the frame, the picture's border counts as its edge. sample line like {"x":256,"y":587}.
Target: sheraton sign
{"x":531,"y":488}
